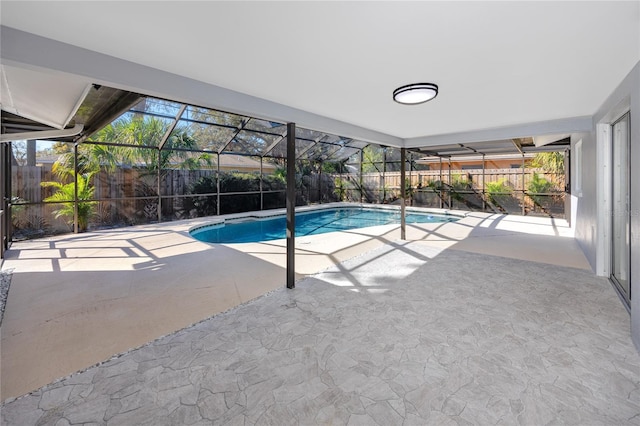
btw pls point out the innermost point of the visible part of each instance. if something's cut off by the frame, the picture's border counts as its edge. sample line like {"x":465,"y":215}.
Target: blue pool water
{"x":317,"y":222}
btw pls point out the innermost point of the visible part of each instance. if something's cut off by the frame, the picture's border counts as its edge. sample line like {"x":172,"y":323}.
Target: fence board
{"x":128,"y":182}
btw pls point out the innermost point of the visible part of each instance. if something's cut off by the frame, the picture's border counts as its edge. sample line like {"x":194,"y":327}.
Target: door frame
{"x":626,"y":298}
{"x":604,"y":164}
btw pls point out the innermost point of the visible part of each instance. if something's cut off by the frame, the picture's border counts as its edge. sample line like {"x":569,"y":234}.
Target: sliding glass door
{"x":621,"y":236}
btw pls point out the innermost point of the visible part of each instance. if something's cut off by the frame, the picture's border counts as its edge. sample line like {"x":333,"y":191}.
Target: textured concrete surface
{"x":405,"y":334}
{"x":78,"y":299}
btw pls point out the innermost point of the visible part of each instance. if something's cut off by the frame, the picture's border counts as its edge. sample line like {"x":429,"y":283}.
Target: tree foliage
{"x":147,"y":131}
{"x":65,"y":194}
{"x":372,"y":158}
{"x":497,"y":191}
{"x":230,"y":182}
{"x":550,"y":162}
{"x":538,"y":187}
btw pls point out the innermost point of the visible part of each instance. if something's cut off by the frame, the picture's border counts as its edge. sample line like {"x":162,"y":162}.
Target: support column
{"x":158,"y":188}
{"x":403,"y":192}
{"x":449,"y":182}
{"x":218,"y":185}
{"x":5,"y":197}
{"x":384,"y":175}
{"x":291,"y":205}
{"x":75,"y":189}
{"x":360,"y":181}
{"x":484,"y":186}
{"x":410,"y":169}
{"x":320,"y":183}
{"x":261,"y":194}
{"x":411,"y":177}
{"x":523,"y":194}
{"x":441,"y":185}
{"x":8,"y":213}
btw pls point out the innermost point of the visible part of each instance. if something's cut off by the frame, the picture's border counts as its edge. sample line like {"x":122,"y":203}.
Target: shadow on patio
{"x":408,"y":331}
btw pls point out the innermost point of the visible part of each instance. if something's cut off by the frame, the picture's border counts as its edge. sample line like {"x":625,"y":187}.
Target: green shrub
{"x":232,"y":182}
{"x":340,"y":188}
{"x":459,"y":185}
{"x":436,"y":185}
{"x":66,"y":192}
{"x":409,"y":190}
{"x":497,"y":189}
{"x":206,"y":205}
{"x":538,"y":186}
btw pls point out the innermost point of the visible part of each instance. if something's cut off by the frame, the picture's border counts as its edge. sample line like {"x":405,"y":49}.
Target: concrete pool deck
{"x":76,"y":300}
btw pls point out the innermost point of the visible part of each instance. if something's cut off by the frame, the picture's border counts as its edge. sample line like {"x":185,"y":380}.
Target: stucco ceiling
{"x":497,"y":63}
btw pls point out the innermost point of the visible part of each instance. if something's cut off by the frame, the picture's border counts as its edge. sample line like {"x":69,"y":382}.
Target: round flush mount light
{"x":417,"y":93}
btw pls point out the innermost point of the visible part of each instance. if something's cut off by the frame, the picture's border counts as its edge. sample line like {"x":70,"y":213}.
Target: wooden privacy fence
{"x":515,"y":191}
{"x":129,"y":195}
{"x":126,"y":182}
{"x":512,"y":178}
{"x":120,"y":183}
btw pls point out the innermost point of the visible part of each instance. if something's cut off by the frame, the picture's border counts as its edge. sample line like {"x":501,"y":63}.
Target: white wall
{"x":588,"y":226}
{"x":635,"y":207}
{"x":584,"y":202}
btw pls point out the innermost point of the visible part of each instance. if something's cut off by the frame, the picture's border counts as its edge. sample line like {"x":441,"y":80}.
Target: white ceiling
{"x":497,"y":63}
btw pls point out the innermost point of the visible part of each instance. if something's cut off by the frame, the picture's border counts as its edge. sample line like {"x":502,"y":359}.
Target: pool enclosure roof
{"x":219,"y":132}
{"x":210,"y":130}
{"x":223,"y":132}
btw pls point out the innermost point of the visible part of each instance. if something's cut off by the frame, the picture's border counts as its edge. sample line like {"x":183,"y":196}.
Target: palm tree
{"x":146,"y":131}
{"x":176,"y":156}
{"x":65,"y":194}
{"x":131,"y":130}
{"x":90,"y":159}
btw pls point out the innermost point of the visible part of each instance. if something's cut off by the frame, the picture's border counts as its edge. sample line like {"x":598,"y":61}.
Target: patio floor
{"x":489,"y":319}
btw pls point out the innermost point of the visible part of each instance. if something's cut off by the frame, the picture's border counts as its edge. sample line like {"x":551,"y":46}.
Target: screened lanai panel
{"x":357,"y":144}
{"x":392,"y":158}
{"x":325,"y":148}
{"x":209,"y":116}
{"x":392,"y":154}
{"x":249,"y":142}
{"x":345,"y":153}
{"x":373,"y":159}
{"x":182,"y":170}
{"x":280,"y":149}
{"x":187,"y":160}
{"x":320,"y":152}
{"x":304,"y":147}
{"x":273,"y":164}
{"x":310,"y":135}
{"x":333,"y":139}
{"x":158,"y":107}
{"x":134,"y":129}
{"x":266,"y":126}
{"x":199,"y":136}
{"x":351,"y":148}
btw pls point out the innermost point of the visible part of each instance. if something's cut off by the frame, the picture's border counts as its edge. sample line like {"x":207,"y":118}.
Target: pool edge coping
{"x":269,"y":214}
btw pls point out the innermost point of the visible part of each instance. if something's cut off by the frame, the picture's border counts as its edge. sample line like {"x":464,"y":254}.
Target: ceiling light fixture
{"x":414,"y":94}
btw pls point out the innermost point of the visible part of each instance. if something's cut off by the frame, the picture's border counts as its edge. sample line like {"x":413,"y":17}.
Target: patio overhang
{"x":96,"y":107}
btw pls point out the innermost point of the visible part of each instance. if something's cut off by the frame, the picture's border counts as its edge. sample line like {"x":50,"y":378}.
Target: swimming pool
{"x":310,"y":223}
